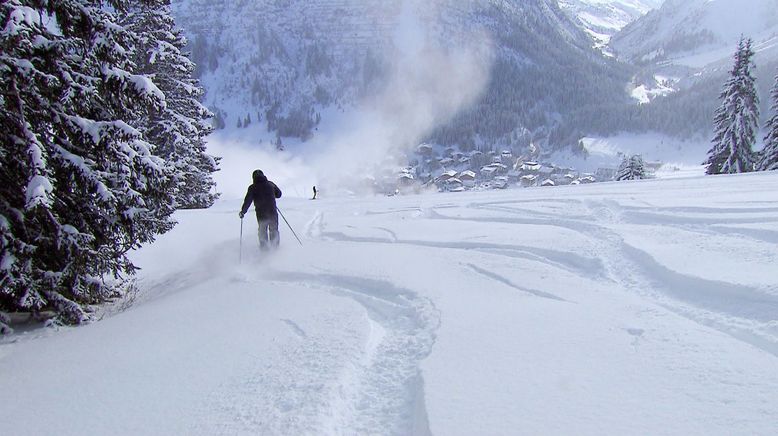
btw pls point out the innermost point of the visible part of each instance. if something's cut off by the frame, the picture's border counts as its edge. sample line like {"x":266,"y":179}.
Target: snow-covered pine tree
{"x":638,"y":167}
{"x":737,"y":119}
{"x":631,"y":168}
{"x":79,"y":186}
{"x":769,"y":156}
{"x":623,"y":170}
{"x":178,"y":132}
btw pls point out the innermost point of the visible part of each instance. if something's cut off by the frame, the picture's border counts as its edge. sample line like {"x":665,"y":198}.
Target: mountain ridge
{"x":684,"y":28}
{"x":286,"y":62}
{"x":601,"y":19}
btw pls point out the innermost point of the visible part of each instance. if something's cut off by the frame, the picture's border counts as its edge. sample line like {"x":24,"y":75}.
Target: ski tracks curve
{"x":381,"y":390}
{"x":744,"y":313}
{"x":752,"y":317}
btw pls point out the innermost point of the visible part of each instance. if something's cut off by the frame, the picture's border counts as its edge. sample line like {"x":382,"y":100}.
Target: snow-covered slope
{"x":697,"y":30}
{"x":685,"y":49}
{"x":645,"y":307}
{"x":603,"y":18}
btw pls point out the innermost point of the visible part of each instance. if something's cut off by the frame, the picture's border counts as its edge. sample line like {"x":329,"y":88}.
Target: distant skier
{"x":314,"y":193}
{"x":263,"y":193}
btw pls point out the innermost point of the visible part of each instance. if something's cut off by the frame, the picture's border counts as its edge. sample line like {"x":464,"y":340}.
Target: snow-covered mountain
{"x":684,"y":50}
{"x":697,"y":32}
{"x":603,"y":18}
{"x":293,"y":63}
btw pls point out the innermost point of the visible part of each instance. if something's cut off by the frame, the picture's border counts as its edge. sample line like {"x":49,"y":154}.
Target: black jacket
{"x":263,"y":193}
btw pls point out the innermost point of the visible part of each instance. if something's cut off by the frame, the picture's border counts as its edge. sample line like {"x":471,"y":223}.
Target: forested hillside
{"x":286,"y":63}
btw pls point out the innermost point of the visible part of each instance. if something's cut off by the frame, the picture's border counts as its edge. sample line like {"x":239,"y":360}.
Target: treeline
{"x":547,"y":84}
{"x":102,"y":138}
{"x":737,"y":121}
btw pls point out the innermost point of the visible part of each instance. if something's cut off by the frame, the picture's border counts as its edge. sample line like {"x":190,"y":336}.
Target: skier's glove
{"x":241,"y":215}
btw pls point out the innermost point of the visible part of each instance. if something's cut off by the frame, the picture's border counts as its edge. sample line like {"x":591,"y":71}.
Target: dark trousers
{"x":268,"y":232}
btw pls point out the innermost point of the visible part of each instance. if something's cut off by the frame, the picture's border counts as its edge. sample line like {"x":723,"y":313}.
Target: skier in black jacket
{"x":263,"y":193}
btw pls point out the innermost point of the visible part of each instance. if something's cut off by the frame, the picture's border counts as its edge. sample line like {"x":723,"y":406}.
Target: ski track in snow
{"x":752,"y":319}
{"x":380,"y":390}
{"x":754,"y":316}
{"x":505,"y":281}
{"x":342,"y":374}
{"x":383,"y":388}
{"x":560,"y":259}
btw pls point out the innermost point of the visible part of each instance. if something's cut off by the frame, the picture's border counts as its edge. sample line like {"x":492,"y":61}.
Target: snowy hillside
{"x":644,"y":307}
{"x":291,"y":65}
{"x":693,"y":32}
{"x":603,"y":18}
{"x":684,"y":50}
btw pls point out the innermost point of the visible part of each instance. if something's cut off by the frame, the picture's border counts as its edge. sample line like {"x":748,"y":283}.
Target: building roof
{"x":546,"y":170}
{"x":500,"y":182}
{"x":424,"y":146}
{"x":488,"y":169}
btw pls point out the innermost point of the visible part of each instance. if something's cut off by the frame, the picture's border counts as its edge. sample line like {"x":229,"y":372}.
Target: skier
{"x":263,"y":193}
{"x":314,"y":193}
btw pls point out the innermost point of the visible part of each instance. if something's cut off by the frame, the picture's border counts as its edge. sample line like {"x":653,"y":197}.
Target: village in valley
{"x":451,"y":170}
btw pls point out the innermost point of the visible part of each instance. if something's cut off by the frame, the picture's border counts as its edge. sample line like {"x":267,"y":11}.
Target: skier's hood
{"x":259,"y":177}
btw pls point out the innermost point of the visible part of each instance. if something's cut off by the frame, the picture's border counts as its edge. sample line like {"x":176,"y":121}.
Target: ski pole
{"x":240,"y":255}
{"x":288,"y":225}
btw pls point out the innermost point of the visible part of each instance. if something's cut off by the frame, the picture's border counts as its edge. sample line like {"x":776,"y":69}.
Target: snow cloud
{"x":427,"y":79}
{"x":429,"y":82}
{"x":241,"y":156}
